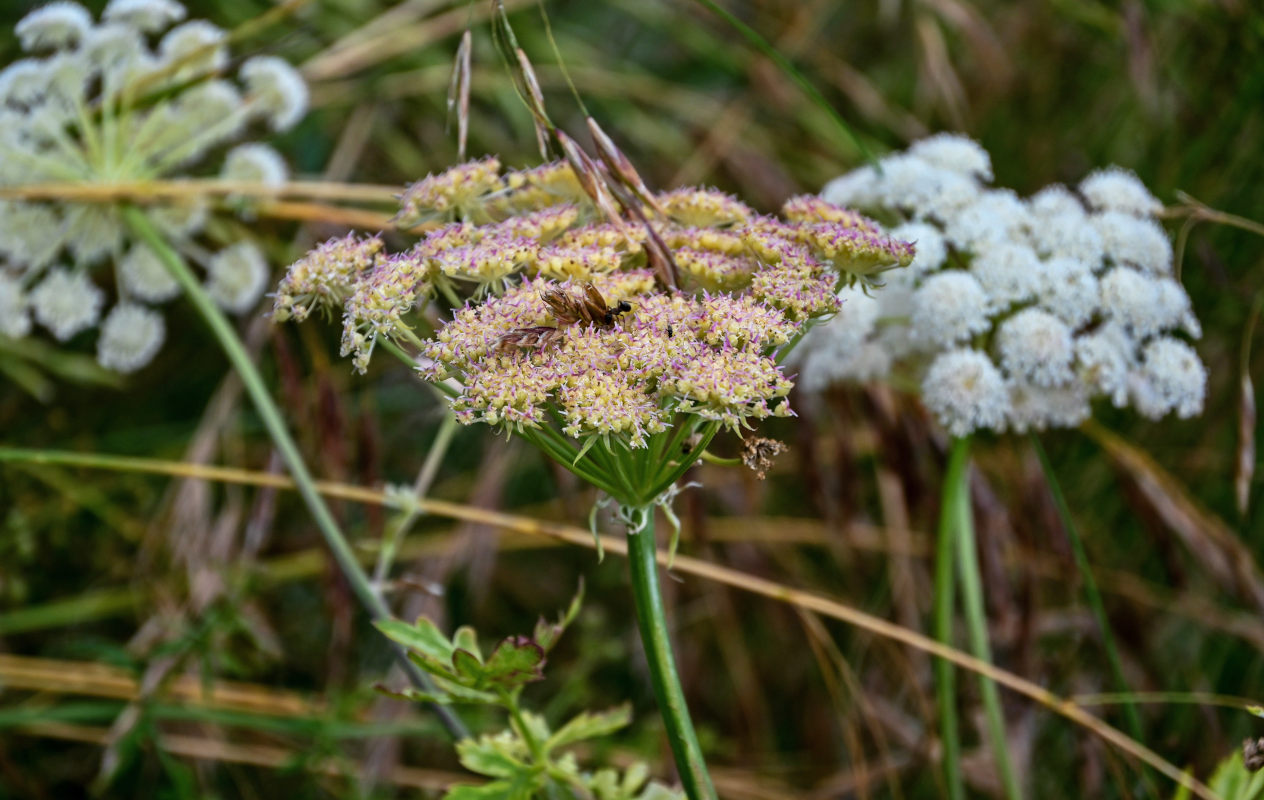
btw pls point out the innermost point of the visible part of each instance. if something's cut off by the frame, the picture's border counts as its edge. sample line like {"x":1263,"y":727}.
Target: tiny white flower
{"x":1141,"y":243}
{"x":1171,"y":378}
{"x":932,"y":250}
{"x":955,"y":153}
{"x":966,"y":392}
{"x":995,"y":216}
{"x":93,"y":232}
{"x":1132,"y":299}
{"x":855,"y":189}
{"x":277,"y":88}
{"x":947,"y":309}
{"x":1118,"y":189}
{"x":1067,"y":288}
{"x":255,"y":163}
{"x":1009,"y":273}
{"x":144,"y":276}
{"x":30,"y":234}
{"x":1055,"y":200}
{"x":15,"y":317}
{"x":130,"y":338}
{"x":66,"y":303}
{"x":1173,"y":308}
{"x":1035,"y":347}
{"x":147,"y":16}
{"x":23,"y":82}
{"x":1066,"y":235}
{"x":826,"y":366}
{"x":1037,"y":408}
{"x":57,"y":24}
{"x":238,"y":274}
{"x":197,"y":45}
{"x":1104,"y":359}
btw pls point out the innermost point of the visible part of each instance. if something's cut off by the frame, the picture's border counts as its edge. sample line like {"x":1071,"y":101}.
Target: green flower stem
{"x":271,"y":417}
{"x":945,"y":591}
{"x":1090,"y":588}
{"x":652,"y":622}
{"x":962,"y":523}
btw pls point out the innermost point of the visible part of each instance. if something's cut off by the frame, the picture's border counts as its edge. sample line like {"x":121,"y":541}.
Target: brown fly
{"x":588,"y":309}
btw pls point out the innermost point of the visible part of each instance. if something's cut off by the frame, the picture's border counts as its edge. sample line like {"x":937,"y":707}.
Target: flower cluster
{"x":125,"y":98}
{"x":573,"y":326}
{"x":1015,"y":312}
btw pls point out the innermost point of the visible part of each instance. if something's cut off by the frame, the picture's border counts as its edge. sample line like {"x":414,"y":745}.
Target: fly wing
{"x":594,"y":306}
{"x":566,"y":310}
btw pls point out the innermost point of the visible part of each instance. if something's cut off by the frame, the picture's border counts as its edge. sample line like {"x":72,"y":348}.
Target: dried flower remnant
{"x":1066,"y":295}
{"x":95,"y":103}
{"x":758,"y":454}
{"x":572,"y":342}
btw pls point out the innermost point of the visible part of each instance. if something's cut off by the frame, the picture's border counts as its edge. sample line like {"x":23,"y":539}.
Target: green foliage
{"x":1231,"y":781}
{"x":527,"y":759}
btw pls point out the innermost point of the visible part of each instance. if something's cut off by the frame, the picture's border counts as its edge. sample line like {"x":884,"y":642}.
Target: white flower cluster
{"x":126,"y":98}
{"x":1016,"y":312}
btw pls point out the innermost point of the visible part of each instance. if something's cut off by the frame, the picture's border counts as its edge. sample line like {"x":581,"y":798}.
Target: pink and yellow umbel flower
{"x":660,"y":354}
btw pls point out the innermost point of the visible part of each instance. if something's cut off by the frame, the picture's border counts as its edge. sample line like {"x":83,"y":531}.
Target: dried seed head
{"x":758,"y":453}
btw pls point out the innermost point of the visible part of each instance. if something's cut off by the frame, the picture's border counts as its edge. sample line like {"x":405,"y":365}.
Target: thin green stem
{"x":945,"y":591}
{"x":651,"y":619}
{"x":1090,"y":587}
{"x":271,"y":417}
{"x":962,"y":523}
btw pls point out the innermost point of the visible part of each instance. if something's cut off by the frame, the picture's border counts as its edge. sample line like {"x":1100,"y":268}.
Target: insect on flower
{"x":590,"y":309}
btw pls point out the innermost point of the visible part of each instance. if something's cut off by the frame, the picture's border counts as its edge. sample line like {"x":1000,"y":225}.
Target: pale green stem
{"x":976,"y":619}
{"x":945,"y":592}
{"x":271,"y":418}
{"x":652,"y":622}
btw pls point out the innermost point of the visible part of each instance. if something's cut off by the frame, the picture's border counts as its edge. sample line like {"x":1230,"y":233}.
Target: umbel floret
{"x":1066,"y":295}
{"x":95,"y":103}
{"x":574,"y":332}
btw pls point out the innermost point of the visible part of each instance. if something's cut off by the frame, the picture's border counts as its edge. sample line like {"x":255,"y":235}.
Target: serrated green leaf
{"x":515,"y":661}
{"x":537,"y":727}
{"x":605,"y":785}
{"x":588,"y":725}
{"x":495,"y":755}
{"x":466,"y":639}
{"x":469,"y":669}
{"x":635,"y":778}
{"x":422,"y":637}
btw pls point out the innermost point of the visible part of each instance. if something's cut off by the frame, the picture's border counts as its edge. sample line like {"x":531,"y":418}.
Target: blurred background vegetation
{"x":189,"y":584}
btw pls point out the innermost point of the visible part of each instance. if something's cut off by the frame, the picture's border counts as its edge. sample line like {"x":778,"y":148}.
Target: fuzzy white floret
{"x":947,"y":309}
{"x":197,"y":45}
{"x":996,"y":216}
{"x":24,"y":81}
{"x":1171,"y":378}
{"x":1055,"y":200}
{"x":1141,"y":243}
{"x":966,"y":392}
{"x":1118,"y":189}
{"x":1067,"y":288}
{"x":255,"y":163}
{"x":955,"y":153}
{"x":1066,"y":235}
{"x":148,"y":16}
{"x":143,"y":275}
{"x":1037,"y":408}
{"x":932,"y":250}
{"x":66,"y":303}
{"x":93,"y":232}
{"x":277,"y":88}
{"x":1104,"y":359}
{"x":30,"y":235}
{"x":855,"y":189}
{"x":58,"y":24}
{"x":1036,"y":347}
{"x":1008,"y":273}
{"x":180,"y":221}
{"x":238,"y":274}
{"x":15,"y":317}
{"x":1131,"y":298}
{"x":1174,"y":309}
{"x":130,"y":338}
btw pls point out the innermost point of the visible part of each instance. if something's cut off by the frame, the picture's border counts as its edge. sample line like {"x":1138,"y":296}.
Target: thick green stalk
{"x":1090,"y":588}
{"x":271,"y":417}
{"x":945,"y":591}
{"x":652,"y":622}
{"x":962,"y":523}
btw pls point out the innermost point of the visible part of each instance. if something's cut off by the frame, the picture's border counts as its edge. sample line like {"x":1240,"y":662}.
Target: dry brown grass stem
{"x":687,"y":565}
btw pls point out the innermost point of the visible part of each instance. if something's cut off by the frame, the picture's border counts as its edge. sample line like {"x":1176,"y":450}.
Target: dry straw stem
{"x":682,"y":564}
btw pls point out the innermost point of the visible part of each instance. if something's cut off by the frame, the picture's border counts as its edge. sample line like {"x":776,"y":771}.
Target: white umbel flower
{"x":238,"y":274}
{"x":130,"y":338}
{"x":1066,"y":235}
{"x":997,"y":216}
{"x":1140,"y":243}
{"x":66,"y":303}
{"x":966,"y":392}
{"x":1037,"y":408}
{"x":147,"y":16}
{"x":59,"y":24}
{"x":1118,"y":189}
{"x":1171,"y":378}
{"x":932,"y":250}
{"x":255,"y":163}
{"x":1009,"y":273}
{"x":1067,"y":288}
{"x":277,"y":88}
{"x":15,"y":318}
{"x":1104,"y":359}
{"x":826,"y":366}
{"x":1035,"y":347}
{"x":1055,"y":200}
{"x":144,"y":276}
{"x":947,"y":309}
{"x":1173,"y":307}
{"x":1132,"y":299}
{"x":197,"y":45}
{"x":955,"y":153}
